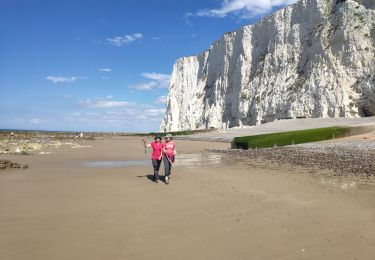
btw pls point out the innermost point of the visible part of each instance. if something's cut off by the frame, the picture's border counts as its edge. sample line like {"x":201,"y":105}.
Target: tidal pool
{"x":112,"y":164}
{"x":186,"y":160}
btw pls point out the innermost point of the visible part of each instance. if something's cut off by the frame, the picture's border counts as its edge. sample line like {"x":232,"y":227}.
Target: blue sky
{"x":103,"y":65}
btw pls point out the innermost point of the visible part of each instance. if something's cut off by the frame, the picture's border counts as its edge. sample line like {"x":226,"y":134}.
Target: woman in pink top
{"x":157,"y":148}
{"x":168,"y":156}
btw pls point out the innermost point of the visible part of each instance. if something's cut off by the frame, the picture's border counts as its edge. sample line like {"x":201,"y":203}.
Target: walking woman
{"x":168,"y":156}
{"x":157,"y":148}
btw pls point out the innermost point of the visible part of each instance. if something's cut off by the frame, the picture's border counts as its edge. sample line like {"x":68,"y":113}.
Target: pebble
{"x":344,"y":157}
{"x":6,"y":164}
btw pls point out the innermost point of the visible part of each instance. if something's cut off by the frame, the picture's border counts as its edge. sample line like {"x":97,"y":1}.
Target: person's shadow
{"x":150,"y":177}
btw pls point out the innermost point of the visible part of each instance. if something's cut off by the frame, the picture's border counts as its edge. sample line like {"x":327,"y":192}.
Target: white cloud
{"x":137,"y":118}
{"x":243,"y":8}
{"x":156,"y":80}
{"x":105,"y":70}
{"x":161,"y":100}
{"x":155,"y":111}
{"x":35,"y":121}
{"x":126,"y":39}
{"x":68,"y":96}
{"x":58,"y":79}
{"x":156,"y":38}
{"x":105,"y":102}
{"x":145,"y":86}
{"x":187,"y":18}
{"x":156,"y":76}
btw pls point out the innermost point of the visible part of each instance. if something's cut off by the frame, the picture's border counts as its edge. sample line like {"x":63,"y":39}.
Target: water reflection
{"x":183,"y":160}
{"x":200,"y":159}
{"x":348,"y":182}
{"x":111,"y":164}
{"x":343,"y":184}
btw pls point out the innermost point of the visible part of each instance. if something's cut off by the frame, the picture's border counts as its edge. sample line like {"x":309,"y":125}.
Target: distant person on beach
{"x":168,"y":156}
{"x":12,"y":135}
{"x":156,"y":157}
{"x":81,"y":135}
{"x":76,"y":137}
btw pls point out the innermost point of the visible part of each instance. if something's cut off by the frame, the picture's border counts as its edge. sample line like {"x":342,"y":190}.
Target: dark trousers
{"x":156,"y":165}
{"x":168,"y":165}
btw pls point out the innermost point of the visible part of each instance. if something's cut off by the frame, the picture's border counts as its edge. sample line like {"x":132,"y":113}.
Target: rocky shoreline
{"x":343,"y":158}
{"x":7,"y":164}
{"x":34,"y":146}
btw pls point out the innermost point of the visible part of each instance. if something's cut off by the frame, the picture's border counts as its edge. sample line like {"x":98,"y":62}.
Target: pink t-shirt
{"x":156,"y":150}
{"x":169,"y":148}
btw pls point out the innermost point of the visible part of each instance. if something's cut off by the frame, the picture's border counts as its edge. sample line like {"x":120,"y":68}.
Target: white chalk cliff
{"x":314,"y":58}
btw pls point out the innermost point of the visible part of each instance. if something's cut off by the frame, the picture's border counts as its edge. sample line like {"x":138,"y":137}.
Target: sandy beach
{"x":98,"y":202}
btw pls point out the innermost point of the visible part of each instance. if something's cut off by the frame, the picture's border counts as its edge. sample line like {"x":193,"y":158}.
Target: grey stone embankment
{"x":279,"y":126}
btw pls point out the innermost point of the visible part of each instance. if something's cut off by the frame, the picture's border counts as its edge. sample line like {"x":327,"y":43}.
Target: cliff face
{"x":311,"y":59}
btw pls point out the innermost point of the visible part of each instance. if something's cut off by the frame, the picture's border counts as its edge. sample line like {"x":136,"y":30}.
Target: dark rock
{"x":5,"y":164}
{"x":16,"y":165}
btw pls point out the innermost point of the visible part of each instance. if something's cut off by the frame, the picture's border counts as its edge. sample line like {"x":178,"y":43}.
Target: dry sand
{"x":216,"y":207}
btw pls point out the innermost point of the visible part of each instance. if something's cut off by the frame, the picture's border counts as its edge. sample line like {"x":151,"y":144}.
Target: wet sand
{"x":216,"y":207}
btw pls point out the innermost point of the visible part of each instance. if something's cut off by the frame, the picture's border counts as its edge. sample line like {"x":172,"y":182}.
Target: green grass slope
{"x":289,"y":138}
